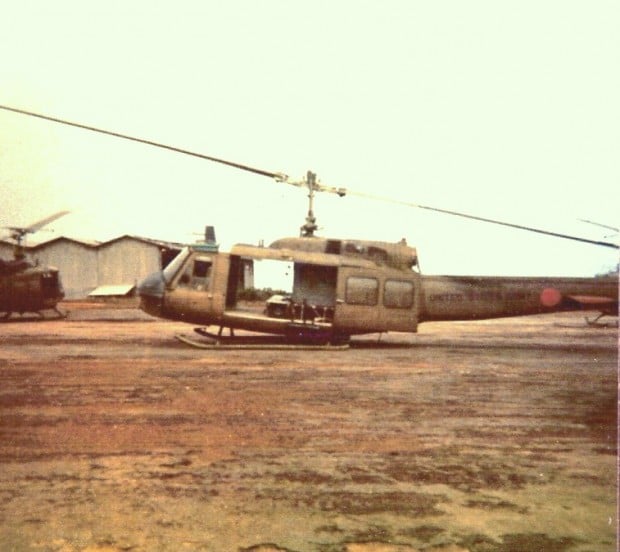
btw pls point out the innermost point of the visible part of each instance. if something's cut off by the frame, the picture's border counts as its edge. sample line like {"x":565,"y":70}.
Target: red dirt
{"x":487,"y":436}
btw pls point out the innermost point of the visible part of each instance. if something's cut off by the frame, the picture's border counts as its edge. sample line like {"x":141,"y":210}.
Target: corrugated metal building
{"x":128,"y":259}
{"x":86,"y":266}
{"x":76,"y":260}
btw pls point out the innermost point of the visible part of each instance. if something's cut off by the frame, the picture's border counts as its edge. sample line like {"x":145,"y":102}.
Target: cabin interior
{"x":300,"y":290}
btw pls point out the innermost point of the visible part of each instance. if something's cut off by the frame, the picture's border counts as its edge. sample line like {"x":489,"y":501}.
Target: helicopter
{"x":25,"y":286}
{"x":342,"y":287}
{"x":346,"y":287}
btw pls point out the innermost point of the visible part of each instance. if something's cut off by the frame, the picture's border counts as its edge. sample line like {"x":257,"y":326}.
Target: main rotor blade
{"x":148,"y":142}
{"x":483,"y":219}
{"x":284,"y":178}
{"x":600,"y":225}
{"x":18,"y":231}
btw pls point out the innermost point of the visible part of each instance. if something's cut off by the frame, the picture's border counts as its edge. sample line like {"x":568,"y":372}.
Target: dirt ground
{"x":494,"y":436}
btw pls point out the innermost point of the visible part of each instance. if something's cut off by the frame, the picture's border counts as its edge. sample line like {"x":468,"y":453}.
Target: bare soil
{"x":494,"y":436}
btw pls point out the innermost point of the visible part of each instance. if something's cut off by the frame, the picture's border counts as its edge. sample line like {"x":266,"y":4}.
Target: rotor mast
{"x":310,"y":226}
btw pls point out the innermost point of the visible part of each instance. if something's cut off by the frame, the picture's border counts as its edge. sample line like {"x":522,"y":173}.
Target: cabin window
{"x":362,"y":291}
{"x":398,"y":294}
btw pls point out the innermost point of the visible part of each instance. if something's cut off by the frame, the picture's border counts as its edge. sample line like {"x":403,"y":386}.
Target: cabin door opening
{"x":251,"y":282}
{"x":50,"y":285}
{"x":314,"y":290}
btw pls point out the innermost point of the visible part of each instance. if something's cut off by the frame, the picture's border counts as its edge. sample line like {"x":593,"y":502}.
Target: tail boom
{"x":471,"y":298}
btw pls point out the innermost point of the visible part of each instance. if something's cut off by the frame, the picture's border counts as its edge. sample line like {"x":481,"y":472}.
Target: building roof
{"x":96,"y":245}
{"x":90,"y":245}
{"x":148,"y":241}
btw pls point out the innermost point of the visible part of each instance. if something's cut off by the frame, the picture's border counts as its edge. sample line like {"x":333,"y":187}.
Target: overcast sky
{"x":506,"y":110}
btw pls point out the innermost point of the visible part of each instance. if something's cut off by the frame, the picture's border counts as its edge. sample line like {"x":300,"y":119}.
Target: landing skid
{"x":594,"y":323}
{"x":260,"y":342}
{"x":6,"y":317}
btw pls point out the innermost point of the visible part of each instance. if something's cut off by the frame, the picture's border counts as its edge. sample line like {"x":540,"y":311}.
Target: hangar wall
{"x":77,"y":262}
{"x":126,"y":260}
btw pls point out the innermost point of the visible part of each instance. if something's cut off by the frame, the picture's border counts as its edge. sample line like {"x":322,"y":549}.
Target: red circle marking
{"x":550,"y":297}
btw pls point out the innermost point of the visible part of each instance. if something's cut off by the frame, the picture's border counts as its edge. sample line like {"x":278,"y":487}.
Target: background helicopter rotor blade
{"x":315,"y":186}
{"x":18,"y":232}
{"x":44,"y":222}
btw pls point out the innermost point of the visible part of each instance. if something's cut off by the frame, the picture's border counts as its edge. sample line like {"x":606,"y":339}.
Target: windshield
{"x":175,"y":264}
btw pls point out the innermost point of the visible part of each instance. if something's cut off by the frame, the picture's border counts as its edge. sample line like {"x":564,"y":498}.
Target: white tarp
{"x":112,"y":290}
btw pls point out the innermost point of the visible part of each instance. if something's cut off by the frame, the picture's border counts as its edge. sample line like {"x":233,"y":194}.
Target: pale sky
{"x":505,"y":110}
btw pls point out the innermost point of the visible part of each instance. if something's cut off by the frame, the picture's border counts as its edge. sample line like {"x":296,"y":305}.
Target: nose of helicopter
{"x":151,"y":291}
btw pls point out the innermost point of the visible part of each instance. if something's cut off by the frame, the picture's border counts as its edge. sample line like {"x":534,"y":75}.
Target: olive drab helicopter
{"x":342,"y":287}
{"x":25,"y":286}
{"x":347,"y":287}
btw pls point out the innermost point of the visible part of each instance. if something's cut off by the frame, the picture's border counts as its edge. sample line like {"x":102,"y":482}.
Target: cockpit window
{"x":171,"y":270}
{"x":201,"y":267}
{"x":197,"y":274}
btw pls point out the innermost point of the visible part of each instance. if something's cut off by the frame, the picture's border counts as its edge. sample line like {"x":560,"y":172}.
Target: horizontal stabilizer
{"x":593,"y":300}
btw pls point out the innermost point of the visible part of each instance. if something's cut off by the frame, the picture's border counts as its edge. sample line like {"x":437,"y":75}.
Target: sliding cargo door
{"x":376,"y":300}
{"x":398,"y":303}
{"x":357,"y":301}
